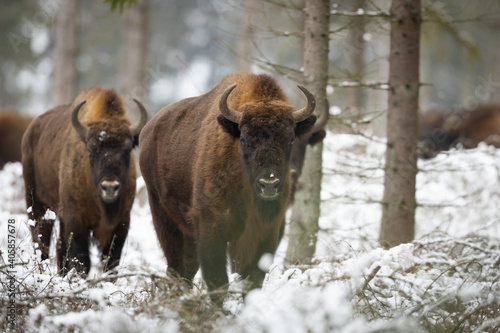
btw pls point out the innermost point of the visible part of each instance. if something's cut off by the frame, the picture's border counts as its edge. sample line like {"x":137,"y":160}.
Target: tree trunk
{"x":306,"y":207}
{"x":355,"y":46}
{"x":399,"y":203}
{"x":245,"y":40}
{"x":65,"y":75}
{"x":134,"y":52}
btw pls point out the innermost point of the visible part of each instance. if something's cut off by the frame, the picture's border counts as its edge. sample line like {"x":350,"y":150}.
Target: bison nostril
{"x":110,"y":187}
{"x":267,"y":185}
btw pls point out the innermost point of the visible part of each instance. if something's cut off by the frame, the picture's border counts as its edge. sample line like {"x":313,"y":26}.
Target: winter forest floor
{"x":447,"y":280}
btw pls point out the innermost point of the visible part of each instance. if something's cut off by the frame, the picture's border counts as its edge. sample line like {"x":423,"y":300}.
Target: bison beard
{"x":267,"y":211}
{"x":110,"y":210}
{"x":217,"y":171}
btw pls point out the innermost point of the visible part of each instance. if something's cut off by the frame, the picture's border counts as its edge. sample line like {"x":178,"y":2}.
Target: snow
{"x":102,"y":136}
{"x":335,"y":110}
{"x":446,"y":277}
{"x":40,"y":40}
{"x":49,"y":215}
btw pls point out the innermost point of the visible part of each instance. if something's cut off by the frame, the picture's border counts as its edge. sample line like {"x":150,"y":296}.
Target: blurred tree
{"x":18,"y":58}
{"x":134,"y":52}
{"x":245,"y":41}
{"x":355,"y":66}
{"x":306,"y":207}
{"x":65,"y":74}
{"x":399,"y":204}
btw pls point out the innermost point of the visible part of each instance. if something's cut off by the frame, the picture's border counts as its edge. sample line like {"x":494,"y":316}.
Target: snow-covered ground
{"x":444,"y":281}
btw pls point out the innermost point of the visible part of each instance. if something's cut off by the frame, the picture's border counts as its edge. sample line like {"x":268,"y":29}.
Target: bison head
{"x":109,"y":144}
{"x":266,"y":132}
{"x":436,"y":132}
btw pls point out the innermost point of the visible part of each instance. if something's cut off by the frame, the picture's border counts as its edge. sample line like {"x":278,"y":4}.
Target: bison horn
{"x":305,"y":112}
{"x":230,"y":114}
{"x":323,"y":118}
{"x":80,"y":128}
{"x":137,"y":127}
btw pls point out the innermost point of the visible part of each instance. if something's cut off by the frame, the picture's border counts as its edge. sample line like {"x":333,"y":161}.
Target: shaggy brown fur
{"x":202,"y":173}
{"x":440,"y":130}
{"x":65,"y":172}
{"x":12,"y":127}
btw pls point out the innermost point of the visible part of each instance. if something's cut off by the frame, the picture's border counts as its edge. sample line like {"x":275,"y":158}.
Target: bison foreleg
{"x":212,"y":256}
{"x":191,"y":264}
{"x":41,"y":232}
{"x":111,"y":253}
{"x":73,"y":251}
{"x":252,"y":272}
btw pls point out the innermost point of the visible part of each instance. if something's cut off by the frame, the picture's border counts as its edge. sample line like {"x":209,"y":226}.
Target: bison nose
{"x":109,"y":190}
{"x":269,"y":187}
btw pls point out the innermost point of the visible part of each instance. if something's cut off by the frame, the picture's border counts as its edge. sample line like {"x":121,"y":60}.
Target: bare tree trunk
{"x":399,"y":203}
{"x":134,"y":52}
{"x":355,"y":47}
{"x":65,"y":75}
{"x":306,"y":207}
{"x":244,"y":46}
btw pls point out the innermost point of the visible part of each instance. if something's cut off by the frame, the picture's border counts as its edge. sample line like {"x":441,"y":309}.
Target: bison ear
{"x":305,"y":126}
{"x":228,"y":126}
{"x":317,"y":137}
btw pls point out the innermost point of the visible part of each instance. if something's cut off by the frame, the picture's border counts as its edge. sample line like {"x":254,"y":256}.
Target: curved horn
{"x":306,"y":111}
{"x":137,"y":127}
{"x":231,"y":115}
{"x":323,"y":118}
{"x":80,"y":128}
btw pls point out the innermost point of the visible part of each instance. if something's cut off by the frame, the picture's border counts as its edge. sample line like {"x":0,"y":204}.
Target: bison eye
{"x":292,"y":140}
{"x":243,"y":142}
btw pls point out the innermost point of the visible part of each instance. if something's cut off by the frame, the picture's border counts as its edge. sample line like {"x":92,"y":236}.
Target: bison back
{"x":168,"y":144}
{"x":12,"y":128}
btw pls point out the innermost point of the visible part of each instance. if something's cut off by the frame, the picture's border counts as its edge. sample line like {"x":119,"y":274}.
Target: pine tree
{"x":65,"y":73}
{"x":399,"y":203}
{"x":306,"y":207}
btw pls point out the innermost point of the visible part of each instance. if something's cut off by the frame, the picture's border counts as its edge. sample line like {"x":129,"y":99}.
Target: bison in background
{"x":440,"y":131}
{"x":311,"y":138}
{"x":78,"y":162}
{"x":12,"y":127}
{"x":217,"y":170}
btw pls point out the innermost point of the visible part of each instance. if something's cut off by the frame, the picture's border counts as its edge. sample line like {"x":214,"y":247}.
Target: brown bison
{"x":314,"y":136}
{"x":78,"y":162}
{"x":440,"y":131}
{"x":12,"y":127}
{"x":217,"y":170}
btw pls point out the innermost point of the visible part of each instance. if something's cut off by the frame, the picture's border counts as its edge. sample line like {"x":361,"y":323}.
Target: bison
{"x":78,"y":162}
{"x":217,"y":171}
{"x":12,"y":127}
{"x":440,"y":131}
